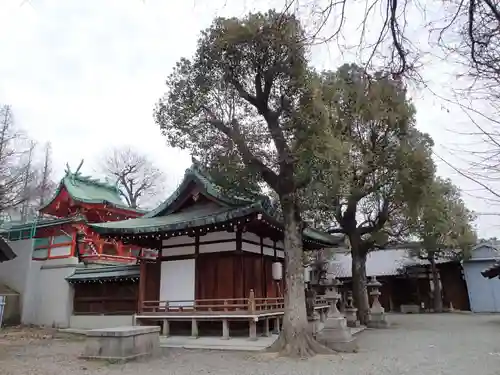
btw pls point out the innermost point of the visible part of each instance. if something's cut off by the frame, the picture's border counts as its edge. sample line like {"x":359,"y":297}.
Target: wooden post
{"x":194,"y":328}
{"x":251,"y":302}
{"x":252,"y":330}
{"x":266,"y":327}
{"x":142,"y":287}
{"x":165,"y":328}
{"x":225,"y":329}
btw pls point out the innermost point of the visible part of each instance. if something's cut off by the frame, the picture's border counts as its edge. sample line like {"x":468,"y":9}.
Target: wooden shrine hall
{"x":219,"y":258}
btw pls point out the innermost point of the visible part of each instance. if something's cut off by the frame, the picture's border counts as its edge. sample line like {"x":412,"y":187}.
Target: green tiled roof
{"x":198,"y":217}
{"x":93,"y":274}
{"x":196,"y":174}
{"x":14,"y":231}
{"x":89,"y":190}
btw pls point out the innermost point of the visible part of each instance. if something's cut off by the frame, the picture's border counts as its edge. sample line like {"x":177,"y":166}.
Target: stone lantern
{"x":377,"y":312}
{"x":332,"y":296}
{"x":335,"y":334}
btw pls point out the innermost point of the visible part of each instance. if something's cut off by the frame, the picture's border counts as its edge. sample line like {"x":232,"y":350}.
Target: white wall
{"x":177,"y":280}
{"x":14,"y":273}
{"x":100,"y":321}
{"x":217,"y":247}
{"x":21,"y":274}
{"x":55,"y":294}
{"x":46,"y":296}
{"x":204,"y":248}
{"x":221,"y":246}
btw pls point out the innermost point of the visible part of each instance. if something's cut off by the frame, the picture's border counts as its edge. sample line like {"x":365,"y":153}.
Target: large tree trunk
{"x":296,"y":338}
{"x":438,"y":301}
{"x":359,"y":288}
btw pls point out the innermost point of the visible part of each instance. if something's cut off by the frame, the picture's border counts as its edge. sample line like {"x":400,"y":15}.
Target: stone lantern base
{"x":337,"y":336}
{"x":378,"y":320}
{"x":352,"y":317}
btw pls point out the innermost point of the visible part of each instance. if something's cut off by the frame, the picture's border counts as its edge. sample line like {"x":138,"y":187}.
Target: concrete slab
{"x":234,"y":343}
{"x":217,"y":343}
{"x":75,"y":331}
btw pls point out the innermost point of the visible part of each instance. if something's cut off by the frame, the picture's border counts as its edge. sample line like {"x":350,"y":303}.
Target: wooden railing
{"x":250,"y":305}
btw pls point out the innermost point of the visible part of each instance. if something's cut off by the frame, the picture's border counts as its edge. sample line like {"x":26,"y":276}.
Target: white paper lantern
{"x":277,"y":271}
{"x":307,"y":274}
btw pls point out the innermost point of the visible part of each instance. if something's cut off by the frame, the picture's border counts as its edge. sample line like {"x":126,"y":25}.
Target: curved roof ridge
{"x":197,"y":173}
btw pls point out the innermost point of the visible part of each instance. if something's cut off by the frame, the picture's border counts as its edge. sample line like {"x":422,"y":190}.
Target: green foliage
{"x":241,"y":104}
{"x":443,"y":223}
{"x":374,"y":164}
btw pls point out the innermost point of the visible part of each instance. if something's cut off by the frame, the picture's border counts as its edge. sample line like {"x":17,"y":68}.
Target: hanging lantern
{"x":307,"y":274}
{"x":277,"y":271}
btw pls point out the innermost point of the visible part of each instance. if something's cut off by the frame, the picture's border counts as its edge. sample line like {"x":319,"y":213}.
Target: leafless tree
{"x":138,"y":179}
{"x":15,"y":165}
{"x":45,"y":183}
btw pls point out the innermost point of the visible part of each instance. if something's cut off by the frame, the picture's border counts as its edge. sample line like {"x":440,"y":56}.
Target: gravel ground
{"x":458,"y":344}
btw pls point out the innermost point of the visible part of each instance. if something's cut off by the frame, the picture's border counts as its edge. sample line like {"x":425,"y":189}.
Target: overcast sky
{"x":86,"y":74}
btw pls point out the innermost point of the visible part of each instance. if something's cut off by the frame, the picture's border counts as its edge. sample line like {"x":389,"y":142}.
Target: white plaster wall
{"x":173,"y":251}
{"x":250,"y":247}
{"x":100,"y":321}
{"x":268,"y":242}
{"x":218,"y":247}
{"x":178,"y":240}
{"x":280,"y":253}
{"x":30,"y":298}
{"x":55,"y":294}
{"x":268,"y":251}
{"x":14,"y":273}
{"x":21,"y":274}
{"x":177,"y":280}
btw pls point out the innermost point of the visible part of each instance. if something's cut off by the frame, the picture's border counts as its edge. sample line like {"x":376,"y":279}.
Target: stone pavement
{"x":445,"y":344}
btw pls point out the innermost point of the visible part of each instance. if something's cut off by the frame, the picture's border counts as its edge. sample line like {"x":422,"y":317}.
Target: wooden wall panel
{"x":153,"y":272}
{"x":106,"y":298}
{"x":232,"y":275}
{"x":224,"y":276}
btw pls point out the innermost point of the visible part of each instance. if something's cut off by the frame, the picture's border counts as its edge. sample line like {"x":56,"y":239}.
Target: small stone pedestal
{"x":351,"y":313}
{"x":122,"y":344}
{"x":378,"y":318}
{"x":335,"y":334}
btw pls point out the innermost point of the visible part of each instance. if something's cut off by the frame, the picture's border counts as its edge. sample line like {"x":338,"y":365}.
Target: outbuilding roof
{"x":108,"y":273}
{"x":388,"y":262}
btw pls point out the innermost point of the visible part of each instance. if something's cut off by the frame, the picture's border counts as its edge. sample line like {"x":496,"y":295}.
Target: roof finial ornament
{"x":79,"y":167}
{"x":68,"y":169}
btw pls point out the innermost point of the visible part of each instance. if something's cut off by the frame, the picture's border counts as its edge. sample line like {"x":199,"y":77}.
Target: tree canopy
{"x":376,"y":165}
{"x":443,"y":223}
